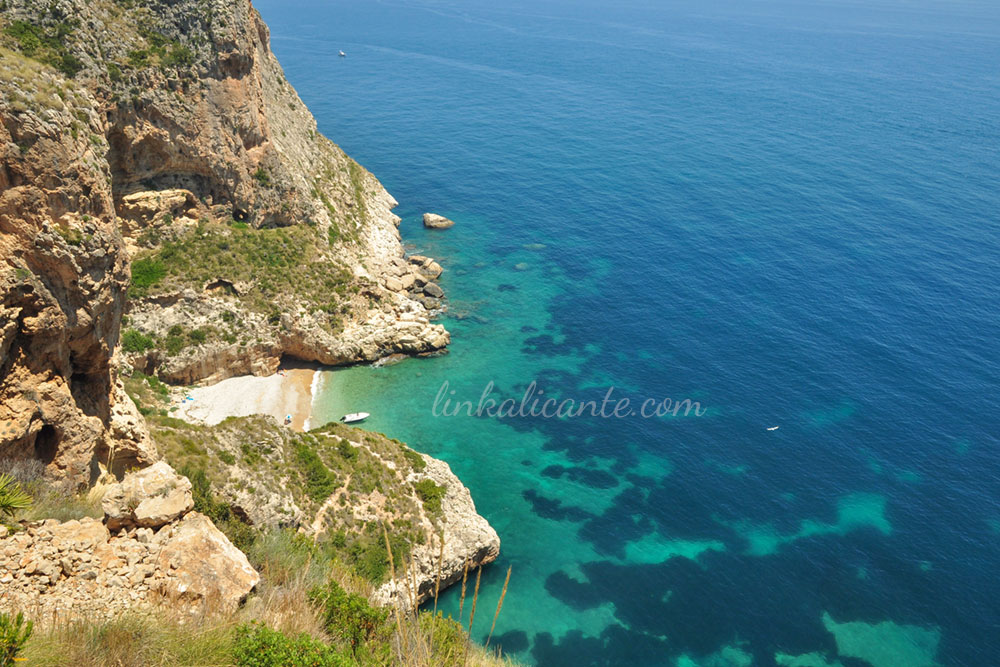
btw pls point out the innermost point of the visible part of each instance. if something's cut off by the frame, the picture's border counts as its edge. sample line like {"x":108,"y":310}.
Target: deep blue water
{"x":787,"y":211}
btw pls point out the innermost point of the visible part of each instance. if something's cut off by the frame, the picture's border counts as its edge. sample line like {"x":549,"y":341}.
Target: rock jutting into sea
{"x":170,"y":213}
{"x":435,"y":221}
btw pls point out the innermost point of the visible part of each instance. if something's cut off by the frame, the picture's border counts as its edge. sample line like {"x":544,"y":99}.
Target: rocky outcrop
{"x":94,"y":569}
{"x":403,"y":327}
{"x":376,"y":483}
{"x":149,"y":122}
{"x":469,"y":541}
{"x":148,"y":498}
{"x":63,"y":275}
{"x":203,"y":565}
{"x":435,"y":221}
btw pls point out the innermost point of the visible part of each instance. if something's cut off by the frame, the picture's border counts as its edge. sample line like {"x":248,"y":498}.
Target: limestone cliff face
{"x":63,"y":276}
{"x":163,"y":135}
{"x":225,"y":139}
{"x":468,"y":540}
{"x":166,"y":200}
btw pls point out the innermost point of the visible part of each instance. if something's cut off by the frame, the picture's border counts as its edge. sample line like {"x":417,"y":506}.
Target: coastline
{"x":317,"y":374}
{"x":290,"y":391}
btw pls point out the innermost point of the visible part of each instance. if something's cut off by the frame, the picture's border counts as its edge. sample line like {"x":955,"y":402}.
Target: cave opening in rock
{"x":90,"y":393}
{"x":239,"y":215}
{"x":46,"y":444}
{"x":221,"y":285}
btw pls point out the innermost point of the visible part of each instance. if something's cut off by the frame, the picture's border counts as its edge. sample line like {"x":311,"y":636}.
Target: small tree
{"x":12,"y":497}
{"x":349,"y":617}
{"x":13,"y":634}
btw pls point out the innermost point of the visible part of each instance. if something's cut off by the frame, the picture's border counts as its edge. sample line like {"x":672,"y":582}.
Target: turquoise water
{"x":785,"y":211}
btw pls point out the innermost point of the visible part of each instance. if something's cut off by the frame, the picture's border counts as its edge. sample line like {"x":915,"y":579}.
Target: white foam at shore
{"x":313,"y":393}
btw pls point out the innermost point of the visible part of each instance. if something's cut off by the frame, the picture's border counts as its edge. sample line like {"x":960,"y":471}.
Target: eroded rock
{"x":435,"y":221}
{"x":149,"y":498}
{"x":205,"y":564}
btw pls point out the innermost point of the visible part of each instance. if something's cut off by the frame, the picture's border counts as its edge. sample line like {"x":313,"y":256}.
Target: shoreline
{"x":290,"y":391}
{"x":313,"y":393}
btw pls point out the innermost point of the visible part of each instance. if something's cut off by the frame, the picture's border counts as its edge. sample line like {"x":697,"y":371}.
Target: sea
{"x":737,"y":215}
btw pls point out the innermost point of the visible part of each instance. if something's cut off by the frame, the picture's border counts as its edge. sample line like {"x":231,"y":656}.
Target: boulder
{"x":393,"y":284}
{"x":432,"y":270}
{"x":406,"y":281}
{"x":152,"y":206}
{"x":435,"y":221}
{"x":205,"y":564}
{"x":432,"y":289}
{"x":149,"y":498}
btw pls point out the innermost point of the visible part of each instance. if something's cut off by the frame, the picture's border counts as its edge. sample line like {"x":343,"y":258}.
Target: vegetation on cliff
{"x":264,"y":267}
{"x":343,"y":484}
{"x":164,"y":134}
{"x":311,"y":607}
{"x":309,"y":612}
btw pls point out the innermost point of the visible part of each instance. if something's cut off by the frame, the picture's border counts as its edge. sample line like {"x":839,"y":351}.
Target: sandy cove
{"x":287,"y":392}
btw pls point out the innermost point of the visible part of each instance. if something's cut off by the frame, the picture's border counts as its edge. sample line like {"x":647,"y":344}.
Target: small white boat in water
{"x":354,"y":417}
{"x":772,"y":428}
{"x":342,"y":54}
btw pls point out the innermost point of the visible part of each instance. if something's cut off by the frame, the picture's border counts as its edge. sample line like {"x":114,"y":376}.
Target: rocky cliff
{"x":341,"y":485}
{"x":166,"y":201}
{"x":160,"y":140}
{"x":151,"y":549}
{"x":63,"y":275}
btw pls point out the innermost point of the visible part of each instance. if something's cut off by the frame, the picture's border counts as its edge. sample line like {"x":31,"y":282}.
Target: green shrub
{"x":241,"y":534}
{"x":13,"y":634}
{"x":416,"y":460}
{"x":250,"y":454}
{"x":256,"y":645}
{"x":147,"y":272}
{"x":136,"y":341}
{"x":179,"y":56}
{"x":138,"y":58}
{"x":320,"y":482}
{"x":430,"y":493}
{"x":349,"y":618}
{"x":174,"y":344}
{"x":29,"y":37}
{"x":263,"y":177}
{"x":370,"y":560}
{"x":449,"y":637}
{"x":12,"y":496}
{"x":347,"y":450}
{"x":198,"y":336}
{"x":47,"y":45}
{"x":227,"y":458}
{"x":157,"y":385}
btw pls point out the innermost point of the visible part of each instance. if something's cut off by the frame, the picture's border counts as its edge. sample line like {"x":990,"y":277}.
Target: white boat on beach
{"x":354,"y":417}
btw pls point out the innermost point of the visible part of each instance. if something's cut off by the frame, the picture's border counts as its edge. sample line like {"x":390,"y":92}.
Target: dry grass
{"x":133,"y":640}
{"x":163,"y":636}
{"x":427,"y":639}
{"x":290,"y":569}
{"x":28,"y":84}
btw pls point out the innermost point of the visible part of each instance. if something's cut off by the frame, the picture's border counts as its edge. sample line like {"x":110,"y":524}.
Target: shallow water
{"x":786,"y":212}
